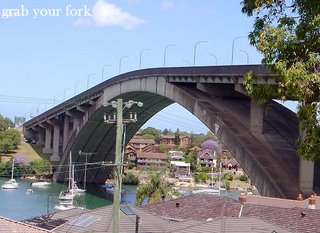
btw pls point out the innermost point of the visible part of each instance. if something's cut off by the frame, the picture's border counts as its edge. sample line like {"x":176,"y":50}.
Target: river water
{"x":16,"y":204}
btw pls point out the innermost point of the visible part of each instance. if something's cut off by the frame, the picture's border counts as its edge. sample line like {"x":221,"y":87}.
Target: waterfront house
{"x":151,"y":159}
{"x":206,"y":158}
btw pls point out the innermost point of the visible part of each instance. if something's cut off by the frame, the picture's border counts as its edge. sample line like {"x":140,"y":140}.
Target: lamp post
{"x":64,"y":93}
{"x":187,"y":62}
{"x":195,"y":50}
{"x":142,"y":50}
{"x":120,"y":61}
{"x":54,"y":99}
{"x":232,"y":49}
{"x":119,"y":105}
{"x":215,"y":57}
{"x":102,"y":73}
{"x":89,"y":75}
{"x":245,"y":52}
{"x":165,"y":53}
{"x":75,"y":87}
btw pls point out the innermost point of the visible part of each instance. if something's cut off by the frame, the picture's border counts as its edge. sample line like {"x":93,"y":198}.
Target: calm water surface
{"x":16,"y":204}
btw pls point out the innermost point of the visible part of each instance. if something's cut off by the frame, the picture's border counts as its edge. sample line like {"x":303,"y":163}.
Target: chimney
{"x":300,"y":197}
{"x":243,"y":198}
{"x":312,"y":202}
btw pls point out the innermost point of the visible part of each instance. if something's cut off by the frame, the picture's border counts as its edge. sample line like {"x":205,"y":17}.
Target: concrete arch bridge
{"x":263,"y":143}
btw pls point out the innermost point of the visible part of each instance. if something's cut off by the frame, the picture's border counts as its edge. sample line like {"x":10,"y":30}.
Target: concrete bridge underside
{"x":262,"y":142}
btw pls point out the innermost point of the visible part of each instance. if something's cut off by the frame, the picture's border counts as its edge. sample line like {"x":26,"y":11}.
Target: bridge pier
{"x":41,"y":136}
{"x":47,"y":145}
{"x":66,"y":130}
{"x":306,"y":174}
{"x":56,"y":139}
{"x":256,"y":117}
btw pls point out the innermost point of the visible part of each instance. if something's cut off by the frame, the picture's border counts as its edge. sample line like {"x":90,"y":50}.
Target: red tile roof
{"x":151,"y":155}
{"x":10,"y":225}
{"x":203,"y":206}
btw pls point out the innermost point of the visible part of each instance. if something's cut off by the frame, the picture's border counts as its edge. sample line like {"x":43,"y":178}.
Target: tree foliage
{"x":287,"y":34}
{"x":41,"y":167}
{"x":5,"y":123}
{"x":9,"y":140}
{"x":155,"y":189}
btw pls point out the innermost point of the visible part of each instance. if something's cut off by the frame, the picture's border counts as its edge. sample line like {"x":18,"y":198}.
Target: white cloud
{"x":106,"y":14}
{"x":167,"y":4}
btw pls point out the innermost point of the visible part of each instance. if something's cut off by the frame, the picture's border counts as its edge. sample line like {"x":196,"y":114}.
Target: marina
{"x":21,"y":203}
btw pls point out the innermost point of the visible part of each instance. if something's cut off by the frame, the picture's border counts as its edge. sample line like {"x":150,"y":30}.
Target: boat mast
{"x":70,"y":168}
{"x":12,"y":168}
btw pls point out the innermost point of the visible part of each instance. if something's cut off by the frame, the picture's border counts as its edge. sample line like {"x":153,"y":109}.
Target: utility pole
{"x":119,"y":105}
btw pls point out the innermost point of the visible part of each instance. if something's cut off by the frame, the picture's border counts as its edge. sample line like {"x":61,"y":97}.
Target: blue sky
{"x":45,"y":58}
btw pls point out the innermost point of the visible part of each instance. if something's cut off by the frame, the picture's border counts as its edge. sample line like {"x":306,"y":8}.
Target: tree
{"x":153,"y":131}
{"x":41,"y":166}
{"x":9,"y":140}
{"x":155,"y":189}
{"x":5,"y":123}
{"x":288,"y":37}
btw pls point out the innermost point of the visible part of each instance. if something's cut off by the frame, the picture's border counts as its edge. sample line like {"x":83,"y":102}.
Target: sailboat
{"x":211,"y":189}
{"x":12,"y":183}
{"x":75,"y":188}
{"x":68,"y":194}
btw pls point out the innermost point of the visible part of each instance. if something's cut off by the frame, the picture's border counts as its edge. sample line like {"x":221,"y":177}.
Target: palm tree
{"x":155,"y":189}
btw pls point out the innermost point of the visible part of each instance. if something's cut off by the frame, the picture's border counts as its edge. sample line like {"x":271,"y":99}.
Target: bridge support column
{"x":66,"y":129}
{"x":56,"y":139}
{"x":306,"y":174}
{"x":256,"y":117}
{"x":76,"y":125}
{"x":41,"y":136}
{"x":47,"y":146}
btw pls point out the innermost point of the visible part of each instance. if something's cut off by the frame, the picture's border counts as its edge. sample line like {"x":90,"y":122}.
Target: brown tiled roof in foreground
{"x":9,"y":225}
{"x":203,"y":206}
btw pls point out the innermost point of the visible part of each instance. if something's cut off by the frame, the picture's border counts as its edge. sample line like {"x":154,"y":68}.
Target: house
{"x":176,"y":155}
{"x":171,"y":141}
{"x":140,"y":144}
{"x":144,"y":145}
{"x":145,"y":159}
{"x":206,"y":158}
{"x":181,"y":168}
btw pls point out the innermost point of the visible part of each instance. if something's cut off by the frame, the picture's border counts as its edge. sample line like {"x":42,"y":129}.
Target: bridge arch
{"x":213,"y":95}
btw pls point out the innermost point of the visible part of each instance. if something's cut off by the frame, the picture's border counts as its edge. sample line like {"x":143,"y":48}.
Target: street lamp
{"x":187,"y":62}
{"x":246,"y":55}
{"x":75,"y":87}
{"x":141,"y":56}
{"x":120,"y":61}
{"x":102,"y":75}
{"x":54,"y":99}
{"x":195,"y":50}
{"x":88,"y":79}
{"x":215,"y":57}
{"x":165,"y":53}
{"x":64,"y":93}
{"x":232,"y":49}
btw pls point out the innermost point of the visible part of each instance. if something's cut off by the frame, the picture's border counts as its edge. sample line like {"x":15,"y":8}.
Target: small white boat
{"x":29,"y":191}
{"x":40,"y":184}
{"x":208,"y":190}
{"x":12,"y":183}
{"x":64,"y":206}
{"x":66,"y":195}
{"x":76,"y":189}
{"x":109,"y":187}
